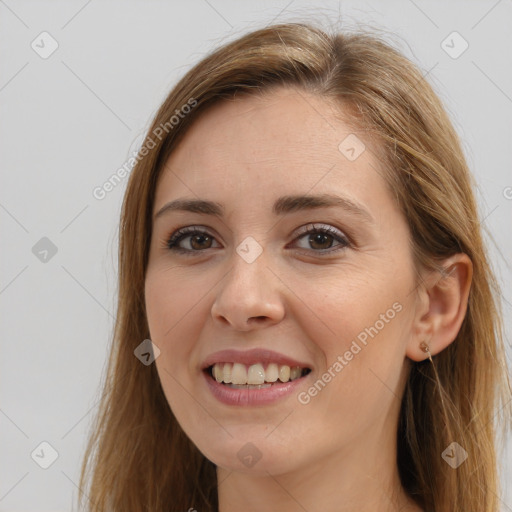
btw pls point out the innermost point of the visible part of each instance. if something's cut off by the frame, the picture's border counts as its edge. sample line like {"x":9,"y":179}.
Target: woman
{"x":300,"y":242}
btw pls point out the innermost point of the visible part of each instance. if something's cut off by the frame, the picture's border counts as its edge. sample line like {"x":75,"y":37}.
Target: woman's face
{"x":268,"y":278}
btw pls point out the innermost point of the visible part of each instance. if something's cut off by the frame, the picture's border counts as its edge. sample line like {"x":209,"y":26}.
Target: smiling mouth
{"x":255,"y":376}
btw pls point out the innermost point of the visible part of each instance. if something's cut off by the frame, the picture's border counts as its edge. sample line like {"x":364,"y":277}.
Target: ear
{"x":441,"y":306}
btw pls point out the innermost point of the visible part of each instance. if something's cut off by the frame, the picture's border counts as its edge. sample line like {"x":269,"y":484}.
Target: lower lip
{"x":233,"y":396}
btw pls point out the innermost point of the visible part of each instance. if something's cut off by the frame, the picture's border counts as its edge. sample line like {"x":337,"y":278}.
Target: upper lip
{"x":249,"y":357}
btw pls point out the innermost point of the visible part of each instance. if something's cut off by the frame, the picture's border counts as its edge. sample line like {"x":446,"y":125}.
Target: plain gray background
{"x":70,"y":120}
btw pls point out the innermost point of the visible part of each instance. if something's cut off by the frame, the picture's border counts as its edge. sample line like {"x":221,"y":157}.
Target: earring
{"x":424,"y":346}
{"x":426,"y":349}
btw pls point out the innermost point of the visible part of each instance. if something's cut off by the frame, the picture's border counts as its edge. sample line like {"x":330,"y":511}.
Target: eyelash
{"x":179,"y":235}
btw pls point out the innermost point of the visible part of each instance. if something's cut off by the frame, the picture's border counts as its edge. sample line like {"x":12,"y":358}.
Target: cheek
{"x":360,"y":325}
{"x":171,"y":307}
{"x":170,"y":313}
{"x":169,"y":301}
{"x":341,"y":306}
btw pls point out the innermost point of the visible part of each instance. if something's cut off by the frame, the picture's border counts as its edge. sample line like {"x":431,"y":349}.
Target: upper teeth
{"x":237,"y":373}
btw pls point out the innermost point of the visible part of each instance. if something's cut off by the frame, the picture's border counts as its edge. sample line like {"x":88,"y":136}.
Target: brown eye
{"x":200,"y":241}
{"x":323,"y":239}
{"x":190,"y":240}
{"x":318,"y":239}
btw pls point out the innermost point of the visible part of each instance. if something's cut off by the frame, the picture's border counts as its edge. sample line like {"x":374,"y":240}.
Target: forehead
{"x":273,"y":125}
{"x":282,"y":142}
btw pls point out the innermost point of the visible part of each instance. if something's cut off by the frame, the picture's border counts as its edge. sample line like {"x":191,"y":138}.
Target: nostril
{"x":257,"y":319}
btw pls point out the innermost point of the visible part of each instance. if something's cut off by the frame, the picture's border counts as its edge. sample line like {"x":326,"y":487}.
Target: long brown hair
{"x":138,"y":458}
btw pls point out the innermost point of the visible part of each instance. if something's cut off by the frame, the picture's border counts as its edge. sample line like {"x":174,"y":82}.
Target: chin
{"x":259,"y":457}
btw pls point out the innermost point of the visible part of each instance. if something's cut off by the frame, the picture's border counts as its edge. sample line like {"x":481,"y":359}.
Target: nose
{"x":249,"y":296}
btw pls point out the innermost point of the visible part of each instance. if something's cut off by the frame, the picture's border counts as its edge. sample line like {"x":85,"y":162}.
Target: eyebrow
{"x":282,"y":206}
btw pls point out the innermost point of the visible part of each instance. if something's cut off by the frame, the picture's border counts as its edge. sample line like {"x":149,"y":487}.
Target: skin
{"x":337,"y":452}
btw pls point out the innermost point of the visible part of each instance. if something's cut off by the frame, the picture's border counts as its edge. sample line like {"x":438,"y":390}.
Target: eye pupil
{"x":200,"y":238}
{"x":320,"y":239}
